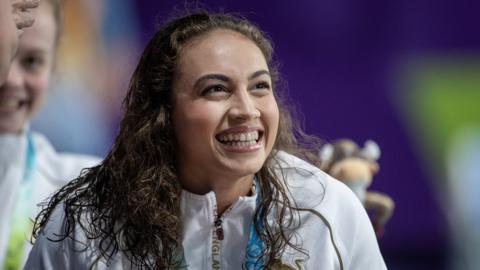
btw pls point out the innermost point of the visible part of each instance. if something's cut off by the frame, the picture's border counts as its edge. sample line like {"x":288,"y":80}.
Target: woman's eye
{"x":261,"y":88}
{"x":262,"y":85}
{"x":32,"y":63}
{"x":214,"y":90}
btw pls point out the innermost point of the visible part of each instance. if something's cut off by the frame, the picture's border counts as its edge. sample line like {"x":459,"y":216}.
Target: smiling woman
{"x":223,"y":95}
{"x":205,"y":172}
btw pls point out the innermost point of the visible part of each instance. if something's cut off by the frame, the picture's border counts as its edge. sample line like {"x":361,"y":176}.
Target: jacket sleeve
{"x":50,"y":251}
{"x":351,"y":225}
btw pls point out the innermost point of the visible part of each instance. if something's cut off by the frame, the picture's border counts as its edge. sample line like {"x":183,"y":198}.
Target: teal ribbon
{"x":20,"y":225}
{"x":255,"y":244}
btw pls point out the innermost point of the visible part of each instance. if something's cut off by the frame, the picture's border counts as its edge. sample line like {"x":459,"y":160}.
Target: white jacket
{"x":50,"y":172}
{"x":336,"y":233}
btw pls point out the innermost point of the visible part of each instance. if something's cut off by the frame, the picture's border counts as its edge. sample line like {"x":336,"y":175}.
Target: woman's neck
{"x":226,"y":191}
{"x":226,"y":196}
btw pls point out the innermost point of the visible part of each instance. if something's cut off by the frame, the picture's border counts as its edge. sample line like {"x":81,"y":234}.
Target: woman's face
{"x":29,"y":75}
{"x":225,"y":114}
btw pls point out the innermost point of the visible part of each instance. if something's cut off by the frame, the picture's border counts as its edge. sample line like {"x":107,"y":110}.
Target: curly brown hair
{"x":131,"y":201}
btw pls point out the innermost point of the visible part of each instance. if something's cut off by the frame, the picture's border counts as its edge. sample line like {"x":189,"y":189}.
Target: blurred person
{"x":205,"y":172}
{"x":30,"y":169}
{"x":14,"y":16}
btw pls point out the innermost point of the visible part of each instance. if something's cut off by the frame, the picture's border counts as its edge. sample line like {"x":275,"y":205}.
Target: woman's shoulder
{"x":332,"y":205}
{"x":311,"y":187}
{"x":55,"y":248}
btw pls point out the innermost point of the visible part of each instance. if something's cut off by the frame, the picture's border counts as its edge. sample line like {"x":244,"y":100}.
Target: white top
{"x":337,"y":232}
{"x":51,"y":171}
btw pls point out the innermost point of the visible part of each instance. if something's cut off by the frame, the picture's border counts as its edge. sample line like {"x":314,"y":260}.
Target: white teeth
{"x":242,"y":139}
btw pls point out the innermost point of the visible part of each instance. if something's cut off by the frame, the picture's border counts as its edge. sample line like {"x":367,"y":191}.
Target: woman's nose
{"x":244,"y":106}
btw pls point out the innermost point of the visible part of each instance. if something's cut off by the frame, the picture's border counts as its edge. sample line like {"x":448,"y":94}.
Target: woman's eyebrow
{"x":224,"y":78}
{"x":32,"y":50}
{"x":259,"y":73}
{"x":219,"y":77}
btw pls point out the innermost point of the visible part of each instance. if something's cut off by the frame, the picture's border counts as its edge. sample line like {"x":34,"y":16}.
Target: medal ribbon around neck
{"x":255,"y":245}
{"x":20,"y":224}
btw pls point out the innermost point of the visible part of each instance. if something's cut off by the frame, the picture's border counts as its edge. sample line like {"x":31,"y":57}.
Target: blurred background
{"x":405,"y":74}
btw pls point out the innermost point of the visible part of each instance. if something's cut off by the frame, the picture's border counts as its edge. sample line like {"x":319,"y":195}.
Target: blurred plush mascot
{"x":355,"y":166}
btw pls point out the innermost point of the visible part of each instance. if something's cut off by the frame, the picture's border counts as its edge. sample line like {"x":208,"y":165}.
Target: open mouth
{"x":241,"y":140}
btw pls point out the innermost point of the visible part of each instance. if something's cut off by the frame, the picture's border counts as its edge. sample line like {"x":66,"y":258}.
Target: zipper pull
{"x":219,"y":229}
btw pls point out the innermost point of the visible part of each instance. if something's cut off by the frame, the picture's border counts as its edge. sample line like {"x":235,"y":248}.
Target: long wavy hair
{"x":130,"y":203}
